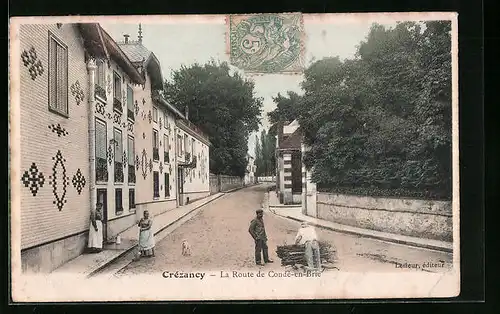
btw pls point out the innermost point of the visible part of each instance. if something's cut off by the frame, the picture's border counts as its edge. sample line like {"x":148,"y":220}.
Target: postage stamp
{"x":267,"y":43}
{"x":142,"y":170}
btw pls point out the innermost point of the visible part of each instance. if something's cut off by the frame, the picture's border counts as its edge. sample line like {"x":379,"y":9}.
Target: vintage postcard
{"x":234,"y":157}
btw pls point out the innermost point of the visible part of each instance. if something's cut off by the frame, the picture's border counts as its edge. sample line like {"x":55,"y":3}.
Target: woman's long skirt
{"x":146,"y":242}
{"x":95,"y":237}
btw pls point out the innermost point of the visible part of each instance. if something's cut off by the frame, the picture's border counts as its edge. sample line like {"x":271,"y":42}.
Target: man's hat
{"x":259,"y":210}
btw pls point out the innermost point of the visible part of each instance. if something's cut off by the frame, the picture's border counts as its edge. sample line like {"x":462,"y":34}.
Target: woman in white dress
{"x":95,"y":230}
{"x":146,"y":236}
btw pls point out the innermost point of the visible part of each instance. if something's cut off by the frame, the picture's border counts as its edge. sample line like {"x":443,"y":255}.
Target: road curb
{"x":157,"y":232}
{"x":386,"y":239}
{"x":239,"y":188}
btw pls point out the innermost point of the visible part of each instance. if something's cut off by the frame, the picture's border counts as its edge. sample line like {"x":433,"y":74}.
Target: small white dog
{"x":186,"y":248}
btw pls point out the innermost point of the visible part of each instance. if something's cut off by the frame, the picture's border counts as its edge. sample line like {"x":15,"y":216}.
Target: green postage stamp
{"x":267,"y":43}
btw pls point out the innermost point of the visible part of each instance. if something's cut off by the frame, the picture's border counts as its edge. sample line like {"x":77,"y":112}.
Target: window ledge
{"x":62,"y":114}
{"x":119,"y":213}
{"x":104,"y":101}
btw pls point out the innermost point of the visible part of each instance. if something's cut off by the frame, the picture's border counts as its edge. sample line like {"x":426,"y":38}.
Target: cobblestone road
{"x":219,"y":240}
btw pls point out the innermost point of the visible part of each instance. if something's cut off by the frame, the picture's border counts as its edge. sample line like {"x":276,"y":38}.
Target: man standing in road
{"x":258,"y":232}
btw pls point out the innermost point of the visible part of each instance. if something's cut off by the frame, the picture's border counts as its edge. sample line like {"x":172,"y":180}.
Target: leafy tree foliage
{"x":265,"y":154}
{"x":381,"y":122}
{"x":224,"y":105}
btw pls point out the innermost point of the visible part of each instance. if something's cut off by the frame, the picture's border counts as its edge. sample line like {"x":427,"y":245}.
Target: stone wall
{"x":412,"y":217}
{"x":223,"y":183}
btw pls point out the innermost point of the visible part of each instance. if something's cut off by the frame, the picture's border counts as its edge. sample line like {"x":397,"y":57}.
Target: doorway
{"x":180,"y":186}
{"x":102,"y":197}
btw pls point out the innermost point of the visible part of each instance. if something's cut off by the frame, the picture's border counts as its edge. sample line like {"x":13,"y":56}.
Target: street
{"x":219,"y":240}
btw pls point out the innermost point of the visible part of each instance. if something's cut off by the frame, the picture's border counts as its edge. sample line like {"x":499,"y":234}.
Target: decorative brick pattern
{"x":33,"y":179}
{"x":144,"y":164}
{"x":161,"y":167}
{"x":30,"y":60}
{"x":117,"y":118}
{"x":78,"y":181}
{"x":77,"y":92}
{"x":100,"y":108}
{"x":109,"y":83}
{"x":58,"y":129}
{"x":109,"y":154}
{"x":150,"y":117}
{"x":59,"y":180}
{"x":136,"y":107}
{"x":124,"y":159}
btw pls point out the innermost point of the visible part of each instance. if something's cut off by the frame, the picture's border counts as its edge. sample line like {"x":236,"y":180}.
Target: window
{"x":131,"y":162}
{"x":101,"y":163}
{"x":117,"y":92}
{"x":117,"y":86}
{"x":101,"y":74}
{"x":118,"y":202}
{"x":165,"y":119}
{"x":118,"y":155}
{"x":166,"y":149}
{"x":130,"y":103}
{"x":167,"y":184}
{"x":193,"y":147}
{"x":58,"y":76}
{"x":155,"y":114}
{"x":179,"y":145}
{"x":100,"y":84}
{"x":156,"y":153}
{"x":186,"y":143}
{"x":131,"y":198}
{"x":156,"y":184}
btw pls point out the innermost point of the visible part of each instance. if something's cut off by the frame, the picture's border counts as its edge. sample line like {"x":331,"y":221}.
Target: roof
{"x":99,"y":44}
{"x":140,"y":56}
{"x":117,"y":54}
{"x":293,"y":141}
{"x":185,"y":123}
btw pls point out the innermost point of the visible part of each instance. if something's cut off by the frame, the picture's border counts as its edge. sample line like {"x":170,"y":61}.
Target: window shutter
{"x":100,"y":149}
{"x":62,"y":79}
{"x":118,"y":146}
{"x":130,"y":98}
{"x":52,"y":74}
{"x":131,"y":150}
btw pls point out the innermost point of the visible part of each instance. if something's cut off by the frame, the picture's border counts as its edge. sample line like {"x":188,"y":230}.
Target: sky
{"x":186,"y":40}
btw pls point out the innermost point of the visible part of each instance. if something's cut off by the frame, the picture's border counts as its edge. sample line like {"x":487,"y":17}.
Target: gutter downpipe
{"x":91,"y":67}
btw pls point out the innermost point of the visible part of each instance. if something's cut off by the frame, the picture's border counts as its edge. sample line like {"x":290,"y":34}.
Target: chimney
{"x":126,"y":38}
{"x":186,"y":112}
{"x":140,"y":33}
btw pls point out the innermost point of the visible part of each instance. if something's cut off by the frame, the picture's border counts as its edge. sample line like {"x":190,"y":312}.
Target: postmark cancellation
{"x":267,"y":43}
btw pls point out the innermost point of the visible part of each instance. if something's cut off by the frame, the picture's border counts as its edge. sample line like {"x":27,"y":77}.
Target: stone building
{"x":293,"y":180}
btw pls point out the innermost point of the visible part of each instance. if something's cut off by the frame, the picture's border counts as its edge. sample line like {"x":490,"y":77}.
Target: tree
{"x":383,"y":119}
{"x":265,"y":154}
{"x":222,"y":104}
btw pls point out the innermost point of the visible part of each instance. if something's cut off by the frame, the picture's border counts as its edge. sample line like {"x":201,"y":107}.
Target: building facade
{"x":250,"y":170}
{"x":95,"y":128}
{"x":171,"y":153}
{"x":56,"y":96}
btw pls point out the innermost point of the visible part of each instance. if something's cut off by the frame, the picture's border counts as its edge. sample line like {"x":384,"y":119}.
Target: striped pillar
{"x":287,"y":170}
{"x":304,"y":181}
